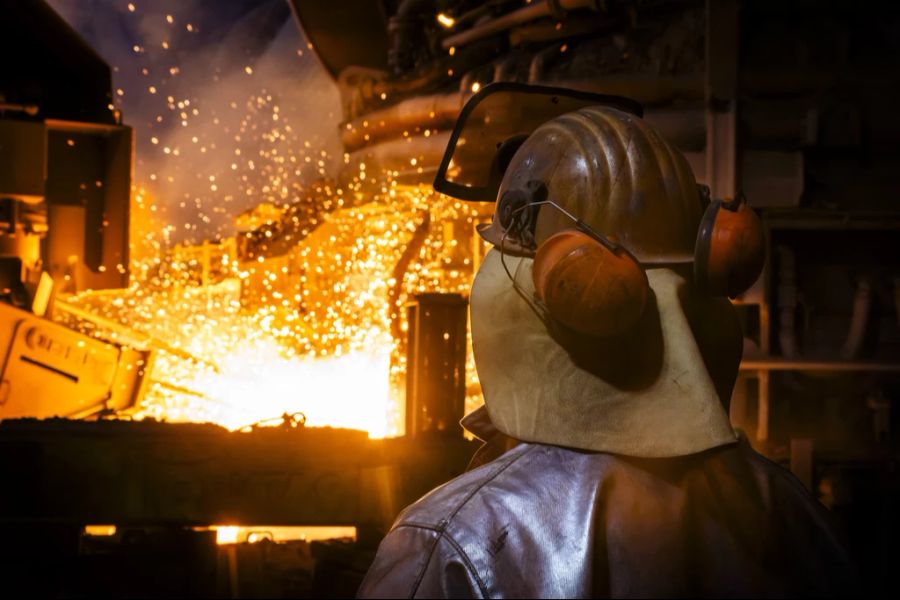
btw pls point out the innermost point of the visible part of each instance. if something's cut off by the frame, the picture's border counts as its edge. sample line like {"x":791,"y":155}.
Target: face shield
{"x":492,"y":125}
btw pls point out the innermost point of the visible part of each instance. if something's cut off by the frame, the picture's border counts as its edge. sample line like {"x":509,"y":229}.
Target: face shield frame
{"x":527,"y":108}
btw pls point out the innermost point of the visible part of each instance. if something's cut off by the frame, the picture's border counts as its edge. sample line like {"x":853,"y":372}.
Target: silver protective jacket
{"x":544,"y":521}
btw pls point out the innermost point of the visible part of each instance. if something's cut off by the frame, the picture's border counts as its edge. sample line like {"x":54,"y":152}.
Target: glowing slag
{"x":318,"y":329}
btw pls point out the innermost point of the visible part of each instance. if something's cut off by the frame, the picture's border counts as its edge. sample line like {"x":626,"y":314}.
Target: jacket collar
{"x":478,"y":423}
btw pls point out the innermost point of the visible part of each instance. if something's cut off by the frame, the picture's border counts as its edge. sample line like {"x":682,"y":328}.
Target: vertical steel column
{"x":722,"y":154}
{"x":436,"y":363}
{"x":722,"y":43}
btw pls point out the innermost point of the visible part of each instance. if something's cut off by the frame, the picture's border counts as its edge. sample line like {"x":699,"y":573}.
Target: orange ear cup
{"x":730,"y":249}
{"x":586,"y":286}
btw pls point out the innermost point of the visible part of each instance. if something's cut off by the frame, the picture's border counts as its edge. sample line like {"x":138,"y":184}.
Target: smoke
{"x":229,"y":105}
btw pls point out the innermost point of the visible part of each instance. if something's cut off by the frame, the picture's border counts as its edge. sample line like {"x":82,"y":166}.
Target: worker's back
{"x":604,"y":340}
{"x":544,"y":521}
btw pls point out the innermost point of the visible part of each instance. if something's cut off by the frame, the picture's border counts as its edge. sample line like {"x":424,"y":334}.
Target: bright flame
{"x":314,"y":322}
{"x":256,"y":384}
{"x":318,"y":331}
{"x":446,"y":20}
{"x":227,"y":534}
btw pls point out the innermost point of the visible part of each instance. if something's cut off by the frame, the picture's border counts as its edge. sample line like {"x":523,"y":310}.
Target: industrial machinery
{"x":787,"y":102}
{"x":70,"y":458}
{"x":159,"y":487}
{"x":65,"y":189}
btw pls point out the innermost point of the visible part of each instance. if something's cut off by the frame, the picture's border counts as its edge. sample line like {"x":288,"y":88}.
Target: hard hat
{"x":596,"y":195}
{"x":614,"y":172}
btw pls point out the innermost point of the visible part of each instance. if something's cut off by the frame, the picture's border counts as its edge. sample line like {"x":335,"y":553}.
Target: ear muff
{"x":730,"y":249}
{"x":587,"y":286}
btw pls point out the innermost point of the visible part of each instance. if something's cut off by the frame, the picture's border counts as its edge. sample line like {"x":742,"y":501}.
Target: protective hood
{"x":657,"y":391}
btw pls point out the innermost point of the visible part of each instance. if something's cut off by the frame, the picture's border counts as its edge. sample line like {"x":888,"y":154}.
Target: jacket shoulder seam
{"x":442,"y":524}
{"x":418,"y":525}
{"x":482,"y":484}
{"x":421,"y":575}
{"x":468,"y":562}
{"x":441,"y":530}
{"x":441,"y":534}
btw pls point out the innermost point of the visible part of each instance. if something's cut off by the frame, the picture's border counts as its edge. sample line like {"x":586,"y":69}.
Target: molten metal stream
{"x":306,"y":332}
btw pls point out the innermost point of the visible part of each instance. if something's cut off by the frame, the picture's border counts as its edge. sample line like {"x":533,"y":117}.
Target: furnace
{"x":216,"y":318}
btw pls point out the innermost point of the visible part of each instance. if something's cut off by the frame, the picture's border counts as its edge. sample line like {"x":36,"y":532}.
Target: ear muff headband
{"x":592,"y":284}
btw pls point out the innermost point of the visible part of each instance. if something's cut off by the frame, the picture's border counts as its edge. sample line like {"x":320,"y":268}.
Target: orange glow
{"x":446,"y":20}
{"x":314,"y":323}
{"x":100,"y":530}
{"x":318,"y":330}
{"x":258,"y":383}
{"x":236,"y":534}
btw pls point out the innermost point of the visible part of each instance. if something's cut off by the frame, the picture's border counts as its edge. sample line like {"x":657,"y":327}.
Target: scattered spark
{"x":282,"y":329}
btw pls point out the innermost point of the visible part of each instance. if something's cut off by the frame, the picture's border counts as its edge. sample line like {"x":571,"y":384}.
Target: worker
{"x":607,"y":350}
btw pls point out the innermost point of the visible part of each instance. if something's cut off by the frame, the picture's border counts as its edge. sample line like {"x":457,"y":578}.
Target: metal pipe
{"x":859,"y":319}
{"x":647,"y":89}
{"x":532,"y":12}
{"x":420,"y":235}
{"x":897,"y":296}
{"x":362,"y":88}
{"x":504,"y":69}
{"x":818,"y":365}
{"x":29,"y":109}
{"x":434,"y":112}
{"x":787,"y":302}
{"x":549,"y":31}
{"x":539,"y":62}
{"x":397,"y":155}
{"x":686,"y":128}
